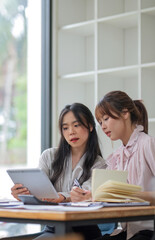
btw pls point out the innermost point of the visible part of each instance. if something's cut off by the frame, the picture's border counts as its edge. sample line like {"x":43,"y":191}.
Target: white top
{"x":65,"y":183}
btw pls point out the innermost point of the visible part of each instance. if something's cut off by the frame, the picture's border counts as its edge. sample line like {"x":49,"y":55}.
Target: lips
{"x":74,"y":139}
{"x":108,"y":133}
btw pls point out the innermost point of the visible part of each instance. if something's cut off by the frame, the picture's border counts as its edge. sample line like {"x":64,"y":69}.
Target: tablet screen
{"x":35,"y":180}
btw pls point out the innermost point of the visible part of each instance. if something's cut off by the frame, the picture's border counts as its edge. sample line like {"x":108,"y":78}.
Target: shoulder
{"x":146,"y":140}
{"x":99,"y":163}
{"x":148,"y":143}
{"x":46,"y":158}
{"x":48,"y":153}
{"x":146,"y":149}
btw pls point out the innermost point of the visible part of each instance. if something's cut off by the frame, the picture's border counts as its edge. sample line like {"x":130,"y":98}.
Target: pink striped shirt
{"x":138,"y":158}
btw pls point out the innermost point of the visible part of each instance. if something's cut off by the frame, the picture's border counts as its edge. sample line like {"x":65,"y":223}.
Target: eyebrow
{"x":76,"y":121}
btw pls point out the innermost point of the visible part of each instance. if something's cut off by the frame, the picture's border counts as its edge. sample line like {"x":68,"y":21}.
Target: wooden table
{"x":63,"y":221}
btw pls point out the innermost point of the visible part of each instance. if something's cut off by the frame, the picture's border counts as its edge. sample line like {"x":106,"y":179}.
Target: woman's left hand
{"x":55,"y":200}
{"x":78,"y":194}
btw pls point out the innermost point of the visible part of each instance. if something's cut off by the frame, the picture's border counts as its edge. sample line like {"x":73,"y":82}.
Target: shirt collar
{"x":125,"y":152}
{"x":134,"y":136}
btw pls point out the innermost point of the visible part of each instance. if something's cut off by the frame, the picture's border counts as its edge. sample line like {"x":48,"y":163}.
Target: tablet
{"x":35,"y":180}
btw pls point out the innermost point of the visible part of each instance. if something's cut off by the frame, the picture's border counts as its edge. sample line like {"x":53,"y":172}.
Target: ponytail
{"x":143,"y":119}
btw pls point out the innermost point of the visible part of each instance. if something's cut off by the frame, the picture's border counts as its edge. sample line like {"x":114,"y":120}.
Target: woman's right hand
{"x":78,"y":194}
{"x":19,"y":189}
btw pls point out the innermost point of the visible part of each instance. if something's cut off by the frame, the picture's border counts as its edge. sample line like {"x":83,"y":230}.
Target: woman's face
{"x":114,"y":128}
{"x":74,"y":132}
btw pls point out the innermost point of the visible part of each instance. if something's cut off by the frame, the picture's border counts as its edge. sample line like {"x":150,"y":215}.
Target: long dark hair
{"x":85,"y":117}
{"x":116,"y":102}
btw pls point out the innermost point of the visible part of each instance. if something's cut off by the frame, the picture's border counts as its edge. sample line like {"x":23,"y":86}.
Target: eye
{"x":64,"y":128}
{"x":106,"y":118}
{"x":76,"y":125}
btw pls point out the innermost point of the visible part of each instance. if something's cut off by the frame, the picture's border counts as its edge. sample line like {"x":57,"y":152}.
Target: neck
{"x":76,"y":155}
{"x":128,"y":134}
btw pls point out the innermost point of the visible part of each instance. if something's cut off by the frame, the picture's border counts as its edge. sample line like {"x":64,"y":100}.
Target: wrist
{"x":62,"y":197}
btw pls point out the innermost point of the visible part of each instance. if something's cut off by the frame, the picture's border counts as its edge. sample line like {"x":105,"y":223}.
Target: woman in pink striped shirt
{"x":122,"y":118}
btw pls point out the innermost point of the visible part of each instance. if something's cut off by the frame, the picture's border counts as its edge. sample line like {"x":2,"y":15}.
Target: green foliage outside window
{"x":13,"y":81}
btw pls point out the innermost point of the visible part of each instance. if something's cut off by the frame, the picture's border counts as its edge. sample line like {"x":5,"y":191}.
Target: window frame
{"x":46,"y":75}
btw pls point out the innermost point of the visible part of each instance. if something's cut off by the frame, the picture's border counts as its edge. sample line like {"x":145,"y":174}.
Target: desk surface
{"x":103,"y":213}
{"x":64,"y":221}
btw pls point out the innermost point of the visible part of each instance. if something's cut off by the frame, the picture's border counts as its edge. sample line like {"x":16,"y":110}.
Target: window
{"x":13,"y":82}
{"x":20,"y":87}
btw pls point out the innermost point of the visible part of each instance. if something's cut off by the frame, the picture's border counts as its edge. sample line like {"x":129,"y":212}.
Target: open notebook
{"x":112,"y":186}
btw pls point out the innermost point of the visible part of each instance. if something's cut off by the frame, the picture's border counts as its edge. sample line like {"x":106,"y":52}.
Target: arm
{"x":147,"y":196}
{"x":56,"y":200}
{"x":148,"y":193}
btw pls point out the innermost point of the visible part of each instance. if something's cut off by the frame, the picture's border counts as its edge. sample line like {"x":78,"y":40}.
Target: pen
{"x":76,"y":183}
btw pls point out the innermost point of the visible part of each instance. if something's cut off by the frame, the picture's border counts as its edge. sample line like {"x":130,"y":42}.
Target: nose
{"x":103,"y":125}
{"x":71,"y":130}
